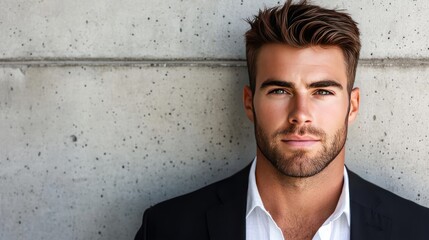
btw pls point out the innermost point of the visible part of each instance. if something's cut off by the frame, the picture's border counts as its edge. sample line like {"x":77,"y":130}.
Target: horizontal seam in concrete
{"x":73,"y":62}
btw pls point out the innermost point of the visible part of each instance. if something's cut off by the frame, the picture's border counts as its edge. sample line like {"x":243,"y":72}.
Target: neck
{"x":300,"y":198}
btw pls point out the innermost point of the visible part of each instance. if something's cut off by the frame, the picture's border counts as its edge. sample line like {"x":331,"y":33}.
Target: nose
{"x":299,"y":110}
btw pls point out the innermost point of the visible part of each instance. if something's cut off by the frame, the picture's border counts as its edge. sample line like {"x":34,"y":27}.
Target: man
{"x":302,"y":62}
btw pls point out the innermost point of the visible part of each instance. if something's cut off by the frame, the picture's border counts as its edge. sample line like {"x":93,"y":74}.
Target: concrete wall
{"x":107,"y":107}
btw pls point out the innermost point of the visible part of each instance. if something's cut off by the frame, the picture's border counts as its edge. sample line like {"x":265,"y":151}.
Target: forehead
{"x":280,"y":61}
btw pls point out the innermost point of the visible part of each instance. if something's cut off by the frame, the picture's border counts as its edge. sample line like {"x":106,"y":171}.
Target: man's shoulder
{"x":385,"y":202}
{"x":186,"y":216}
{"x":207,"y":196}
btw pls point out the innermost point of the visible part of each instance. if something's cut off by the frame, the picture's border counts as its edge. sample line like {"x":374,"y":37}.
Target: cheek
{"x":269,"y":113}
{"x":332,"y":114}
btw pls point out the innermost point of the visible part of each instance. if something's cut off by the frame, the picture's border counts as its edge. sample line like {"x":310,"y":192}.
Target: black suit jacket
{"x":217,"y":212}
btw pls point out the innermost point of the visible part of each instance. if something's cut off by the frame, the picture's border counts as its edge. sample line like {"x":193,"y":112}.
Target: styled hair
{"x":303,"y":25}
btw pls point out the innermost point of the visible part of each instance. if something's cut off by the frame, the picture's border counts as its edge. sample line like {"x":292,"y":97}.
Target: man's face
{"x":301,"y":107}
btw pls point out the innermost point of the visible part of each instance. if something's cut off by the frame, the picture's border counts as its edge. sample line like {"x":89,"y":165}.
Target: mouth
{"x":300,"y":141}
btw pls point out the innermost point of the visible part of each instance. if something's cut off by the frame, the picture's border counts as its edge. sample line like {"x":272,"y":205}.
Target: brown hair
{"x":303,"y":25}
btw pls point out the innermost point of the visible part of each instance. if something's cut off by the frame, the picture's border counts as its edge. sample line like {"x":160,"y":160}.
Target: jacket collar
{"x":226,"y":221}
{"x":367,"y":221}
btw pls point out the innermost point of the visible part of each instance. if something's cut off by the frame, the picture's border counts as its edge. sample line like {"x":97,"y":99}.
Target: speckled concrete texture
{"x":186,"y":29}
{"x":107,"y":107}
{"x":388,"y":144}
{"x":85,"y":150}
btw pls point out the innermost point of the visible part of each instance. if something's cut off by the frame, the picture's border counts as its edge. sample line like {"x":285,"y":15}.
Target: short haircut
{"x":303,"y":25}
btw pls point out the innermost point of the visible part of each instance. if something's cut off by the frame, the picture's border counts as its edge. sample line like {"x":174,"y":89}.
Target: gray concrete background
{"x":107,"y":107}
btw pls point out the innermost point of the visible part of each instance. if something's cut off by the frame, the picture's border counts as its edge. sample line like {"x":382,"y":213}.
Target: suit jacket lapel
{"x":227,"y":221}
{"x":366,"y":220}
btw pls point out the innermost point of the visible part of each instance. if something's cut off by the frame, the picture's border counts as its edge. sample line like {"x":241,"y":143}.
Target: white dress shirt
{"x":260,"y":225}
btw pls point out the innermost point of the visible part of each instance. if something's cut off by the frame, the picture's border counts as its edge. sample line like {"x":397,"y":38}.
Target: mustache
{"x":301,"y":131}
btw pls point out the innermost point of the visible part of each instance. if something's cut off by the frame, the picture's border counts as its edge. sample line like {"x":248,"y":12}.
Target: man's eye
{"x":278,"y":91}
{"x":323,"y":92}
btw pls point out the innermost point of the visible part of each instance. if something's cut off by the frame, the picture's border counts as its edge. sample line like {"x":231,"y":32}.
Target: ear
{"x":354,"y":104}
{"x":248,"y":102}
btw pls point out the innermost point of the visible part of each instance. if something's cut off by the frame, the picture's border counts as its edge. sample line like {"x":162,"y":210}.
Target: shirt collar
{"x":254,"y":199}
{"x":343,"y":205}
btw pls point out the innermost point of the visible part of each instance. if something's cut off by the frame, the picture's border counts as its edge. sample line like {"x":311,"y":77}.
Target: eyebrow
{"x":318,"y":84}
{"x":325,"y":83}
{"x":273,"y":82}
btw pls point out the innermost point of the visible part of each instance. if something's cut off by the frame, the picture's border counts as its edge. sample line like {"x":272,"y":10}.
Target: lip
{"x":299,"y":138}
{"x":300,"y":141}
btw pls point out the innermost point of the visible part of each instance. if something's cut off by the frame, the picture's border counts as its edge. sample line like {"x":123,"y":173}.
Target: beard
{"x":300,"y":163}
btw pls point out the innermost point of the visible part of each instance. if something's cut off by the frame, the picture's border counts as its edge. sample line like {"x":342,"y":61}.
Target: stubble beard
{"x":299,"y":163}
